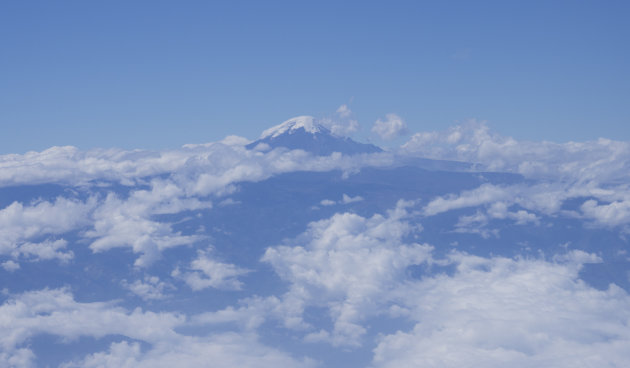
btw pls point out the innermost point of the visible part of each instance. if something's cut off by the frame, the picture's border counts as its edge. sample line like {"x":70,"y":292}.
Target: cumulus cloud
{"x":484,"y":194}
{"x":498,"y":312}
{"x":347,"y":261}
{"x":599,"y":169}
{"x":72,"y":166}
{"x":10,"y":266}
{"x":225,"y":350}
{"x":608,"y":214}
{"x":128,"y":222}
{"x":205,"y":272}
{"x":200,"y":170}
{"x":55,"y":312}
{"x":327,"y":202}
{"x":603,"y":160}
{"x":493,"y":311}
{"x":345,"y":199}
{"x":150,"y":288}
{"x":356,"y":269}
{"x":392,"y":127}
{"x":495,"y":202}
{"x":475,"y":224}
{"x":342,"y":124}
{"x":344,"y":111}
{"x":175,"y":180}
{"x":21,"y":225}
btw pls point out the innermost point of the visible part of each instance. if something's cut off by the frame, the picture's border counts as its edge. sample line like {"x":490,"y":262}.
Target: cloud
{"x":327,"y":202}
{"x":495,"y":202}
{"x":602,"y":160}
{"x":475,"y":224}
{"x":71,"y":166}
{"x":345,"y":199}
{"x":21,"y":225}
{"x":498,"y":312}
{"x":252,"y":312}
{"x":207,"y":272}
{"x":151,"y":288}
{"x":392,"y":127}
{"x":225,"y":350}
{"x":545,"y":198}
{"x":344,"y":265}
{"x":342,"y":124}
{"x":55,"y":312}
{"x":10,"y":266}
{"x":486,"y":193}
{"x":128,"y":222}
{"x":199,"y":170}
{"x":170,"y":182}
{"x":344,"y":111}
{"x":360,"y":272}
{"x":493,"y":311}
{"x":610,"y":214}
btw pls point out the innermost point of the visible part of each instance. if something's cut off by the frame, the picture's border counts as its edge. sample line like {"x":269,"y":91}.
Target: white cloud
{"x":55,"y":312}
{"x":252,"y":313}
{"x":70,"y":165}
{"x":18,"y":358}
{"x":602,"y":160}
{"x":486,"y":193}
{"x":327,"y":202}
{"x":48,"y":249}
{"x":545,"y":198}
{"x":493,"y":311}
{"x":611,"y":214}
{"x":151,"y":288}
{"x":497,"y":312}
{"x":200,"y":170}
{"x":226,"y":350}
{"x":347,"y":199}
{"x":519,"y":312}
{"x":128,"y":222}
{"x":345,"y":265}
{"x":344,"y":111}
{"x":392,"y":127}
{"x":20,"y":225}
{"x":207,"y":272}
{"x":475,"y":224}
{"x":10,"y":266}
{"x":195,"y":171}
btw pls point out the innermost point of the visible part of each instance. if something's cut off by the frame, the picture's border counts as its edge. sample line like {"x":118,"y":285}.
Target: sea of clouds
{"x":486,"y":311}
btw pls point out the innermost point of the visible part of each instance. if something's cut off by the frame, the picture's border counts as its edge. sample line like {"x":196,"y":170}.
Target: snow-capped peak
{"x":309,"y":124}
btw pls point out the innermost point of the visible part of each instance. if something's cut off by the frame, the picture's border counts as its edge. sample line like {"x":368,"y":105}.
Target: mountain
{"x":306,"y":133}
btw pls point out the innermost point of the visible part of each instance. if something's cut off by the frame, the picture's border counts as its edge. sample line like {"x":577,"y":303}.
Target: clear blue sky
{"x":158,"y":74}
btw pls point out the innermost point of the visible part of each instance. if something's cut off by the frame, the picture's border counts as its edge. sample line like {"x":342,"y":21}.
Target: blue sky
{"x":157,"y":74}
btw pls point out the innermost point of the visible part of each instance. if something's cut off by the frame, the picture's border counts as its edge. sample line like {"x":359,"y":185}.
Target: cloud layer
{"x":359,"y":276}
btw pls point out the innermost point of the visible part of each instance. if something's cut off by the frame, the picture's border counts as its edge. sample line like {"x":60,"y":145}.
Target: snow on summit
{"x":309,"y":124}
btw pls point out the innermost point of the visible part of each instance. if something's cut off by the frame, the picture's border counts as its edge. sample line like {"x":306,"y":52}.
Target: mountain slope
{"x":306,"y":133}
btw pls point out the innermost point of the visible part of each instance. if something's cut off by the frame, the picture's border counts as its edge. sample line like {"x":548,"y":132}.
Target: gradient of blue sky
{"x":158,"y":74}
